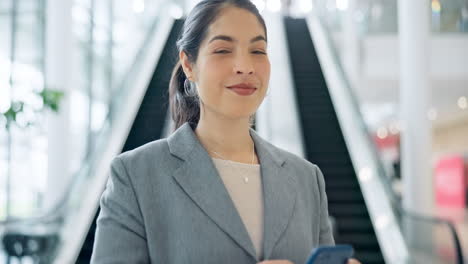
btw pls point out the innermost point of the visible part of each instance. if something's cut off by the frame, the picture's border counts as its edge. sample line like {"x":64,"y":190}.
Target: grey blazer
{"x":165,"y":203}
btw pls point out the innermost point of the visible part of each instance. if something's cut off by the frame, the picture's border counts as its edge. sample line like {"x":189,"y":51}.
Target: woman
{"x":214,"y":191}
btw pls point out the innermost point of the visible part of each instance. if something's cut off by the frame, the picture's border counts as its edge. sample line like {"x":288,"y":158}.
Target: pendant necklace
{"x":246,"y":179}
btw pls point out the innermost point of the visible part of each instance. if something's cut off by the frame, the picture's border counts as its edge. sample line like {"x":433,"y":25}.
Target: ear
{"x":187,"y":66}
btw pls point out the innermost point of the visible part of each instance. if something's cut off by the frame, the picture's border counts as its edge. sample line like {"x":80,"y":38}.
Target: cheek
{"x":213,"y":70}
{"x":263,"y":71}
{"x":211,"y":74}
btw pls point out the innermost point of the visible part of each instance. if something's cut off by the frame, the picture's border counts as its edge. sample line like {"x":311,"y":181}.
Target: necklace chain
{"x":221,"y":156}
{"x":246,"y":179}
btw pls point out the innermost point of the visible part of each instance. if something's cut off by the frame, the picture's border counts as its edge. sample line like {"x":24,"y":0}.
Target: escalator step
{"x":346,"y":210}
{"x":345,"y":197}
{"x":354,"y":224}
{"x":342,"y":184}
{"x":369,"y":257}
{"x":333,"y":161}
{"x":360,"y":241}
{"x":334,"y":155}
{"x":334,"y":170}
{"x":336,"y":178}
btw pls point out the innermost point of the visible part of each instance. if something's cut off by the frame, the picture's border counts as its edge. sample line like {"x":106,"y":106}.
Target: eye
{"x":222,"y":51}
{"x":259,"y":52}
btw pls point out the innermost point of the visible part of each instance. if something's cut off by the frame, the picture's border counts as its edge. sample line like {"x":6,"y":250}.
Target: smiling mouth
{"x":243,"y":91}
{"x":243,"y":86}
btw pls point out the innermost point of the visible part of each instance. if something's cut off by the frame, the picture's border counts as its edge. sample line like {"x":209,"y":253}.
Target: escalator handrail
{"x":438,"y":220}
{"x":378,"y":162}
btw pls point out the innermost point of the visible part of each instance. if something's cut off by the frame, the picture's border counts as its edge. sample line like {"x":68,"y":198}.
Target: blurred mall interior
{"x":387,"y":80}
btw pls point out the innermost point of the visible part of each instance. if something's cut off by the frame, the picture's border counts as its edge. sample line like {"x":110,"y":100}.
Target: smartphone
{"x":338,"y":254}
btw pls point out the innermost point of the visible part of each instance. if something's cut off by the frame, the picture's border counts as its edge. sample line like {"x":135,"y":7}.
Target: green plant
{"x":50,"y":100}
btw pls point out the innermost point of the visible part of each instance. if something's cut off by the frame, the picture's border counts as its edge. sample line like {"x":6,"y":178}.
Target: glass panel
{"x":5,"y":49}
{"x":28,"y":46}
{"x":28,"y":6}
{"x":25,"y":181}
{"x":79,"y":114}
{"x":5,"y":7}
{"x":83,"y":3}
{"x":5,"y":44}
{"x":3,"y":173}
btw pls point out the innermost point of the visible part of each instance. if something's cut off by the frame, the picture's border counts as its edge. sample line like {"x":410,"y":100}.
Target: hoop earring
{"x":187,"y":87}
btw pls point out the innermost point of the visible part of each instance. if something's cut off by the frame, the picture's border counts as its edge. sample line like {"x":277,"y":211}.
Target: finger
{"x":353,"y":261}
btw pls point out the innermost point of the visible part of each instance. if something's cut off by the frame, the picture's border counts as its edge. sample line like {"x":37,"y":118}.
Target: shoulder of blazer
{"x":149,"y":152}
{"x":293,"y":159}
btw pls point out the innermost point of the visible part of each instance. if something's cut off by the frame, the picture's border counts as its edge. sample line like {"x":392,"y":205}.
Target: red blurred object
{"x":451,"y":182}
{"x":390,"y":141}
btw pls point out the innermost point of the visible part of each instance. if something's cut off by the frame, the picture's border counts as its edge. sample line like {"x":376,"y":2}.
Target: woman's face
{"x":233,"y":54}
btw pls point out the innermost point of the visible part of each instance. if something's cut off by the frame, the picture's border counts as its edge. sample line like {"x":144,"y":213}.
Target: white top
{"x":244,"y":184}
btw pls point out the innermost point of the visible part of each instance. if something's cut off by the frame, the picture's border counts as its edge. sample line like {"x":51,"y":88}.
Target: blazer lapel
{"x":279,"y":192}
{"x":199,"y":178}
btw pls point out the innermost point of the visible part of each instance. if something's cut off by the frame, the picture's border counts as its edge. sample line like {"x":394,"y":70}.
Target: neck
{"x":228,"y":137}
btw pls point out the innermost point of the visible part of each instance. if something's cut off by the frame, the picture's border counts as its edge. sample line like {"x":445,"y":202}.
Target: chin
{"x":240,"y":115}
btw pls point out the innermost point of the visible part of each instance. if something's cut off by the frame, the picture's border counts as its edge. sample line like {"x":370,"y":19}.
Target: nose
{"x":243,"y":65}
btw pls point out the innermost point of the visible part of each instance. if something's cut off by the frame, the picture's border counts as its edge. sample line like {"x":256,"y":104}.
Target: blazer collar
{"x":200,"y":180}
{"x":183,"y":140}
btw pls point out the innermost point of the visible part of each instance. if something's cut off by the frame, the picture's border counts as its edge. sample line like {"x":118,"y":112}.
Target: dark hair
{"x":184,"y":101}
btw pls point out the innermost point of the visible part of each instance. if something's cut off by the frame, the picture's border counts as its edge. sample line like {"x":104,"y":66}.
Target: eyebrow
{"x":231,"y":39}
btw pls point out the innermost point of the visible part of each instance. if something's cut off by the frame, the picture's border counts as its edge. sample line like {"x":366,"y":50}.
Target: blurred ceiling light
{"x":462,"y":102}
{"x":382,"y":132}
{"x":382,"y":221}
{"x":260,"y":4}
{"x":176,"y":11}
{"x":99,"y":115}
{"x":436,"y":7}
{"x":80,"y":106}
{"x":365,"y":174}
{"x":80,"y":15}
{"x":305,"y":6}
{"x":432,"y":114}
{"x":138,"y":6}
{"x":342,"y":4}
{"x":274,"y":5}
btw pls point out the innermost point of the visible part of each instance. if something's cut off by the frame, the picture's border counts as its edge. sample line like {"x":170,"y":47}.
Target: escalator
{"x":326,"y":147}
{"x":150,"y":119}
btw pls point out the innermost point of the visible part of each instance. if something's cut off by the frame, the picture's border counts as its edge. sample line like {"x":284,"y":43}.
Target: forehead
{"x":236,"y":22}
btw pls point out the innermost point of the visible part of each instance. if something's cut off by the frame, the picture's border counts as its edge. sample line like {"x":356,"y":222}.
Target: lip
{"x":243,"y":89}
{"x":242,"y":86}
